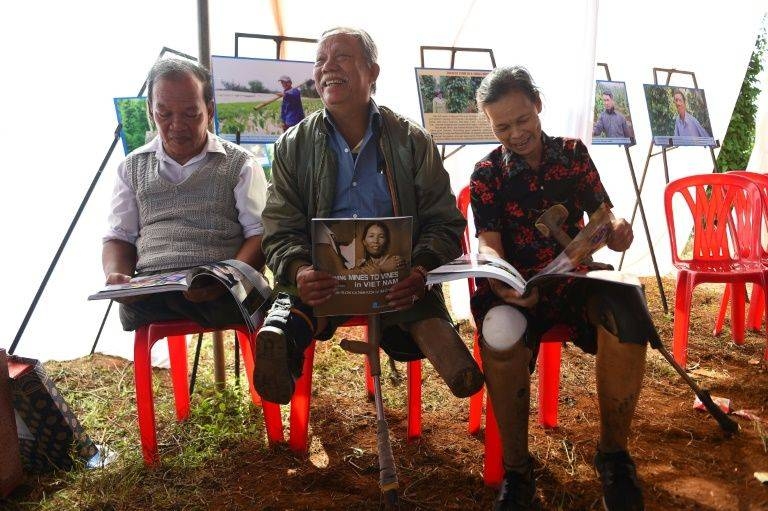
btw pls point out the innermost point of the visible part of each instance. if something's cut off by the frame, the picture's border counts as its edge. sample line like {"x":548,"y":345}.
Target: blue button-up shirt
{"x":361,"y":185}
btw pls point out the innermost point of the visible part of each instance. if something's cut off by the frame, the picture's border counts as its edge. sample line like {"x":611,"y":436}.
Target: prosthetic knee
{"x":506,"y":362}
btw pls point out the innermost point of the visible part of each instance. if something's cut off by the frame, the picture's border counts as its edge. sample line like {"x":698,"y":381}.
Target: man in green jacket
{"x":357,"y":159}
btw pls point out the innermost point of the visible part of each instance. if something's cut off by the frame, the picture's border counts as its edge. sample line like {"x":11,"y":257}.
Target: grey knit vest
{"x":188,"y":224}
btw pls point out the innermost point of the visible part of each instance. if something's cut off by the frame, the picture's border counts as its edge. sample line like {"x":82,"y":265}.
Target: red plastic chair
{"x":726,"y":212}
{"x":757,"y":304}
{"x":298,"y":438}
{"x":175,"y":331}
{"x":549,"y":379}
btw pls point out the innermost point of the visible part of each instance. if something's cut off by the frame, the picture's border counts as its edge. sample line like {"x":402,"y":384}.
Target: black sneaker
{"x":280,"y":346}
{"x":518,"y":491}
{"x":621,"y":489}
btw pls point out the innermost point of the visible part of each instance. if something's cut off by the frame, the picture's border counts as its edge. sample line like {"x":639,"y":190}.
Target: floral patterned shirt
{"x":508,"y":197}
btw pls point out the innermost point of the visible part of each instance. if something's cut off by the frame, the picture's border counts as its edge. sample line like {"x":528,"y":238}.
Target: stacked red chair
{"x":726,"y":212}
{"x":737,"y":292}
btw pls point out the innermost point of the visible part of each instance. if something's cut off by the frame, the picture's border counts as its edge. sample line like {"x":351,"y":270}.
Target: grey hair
{"x":503,"y":80}
{"x":177,"y":68}
{"x":370,"y":53}
{"x":682,"y":95}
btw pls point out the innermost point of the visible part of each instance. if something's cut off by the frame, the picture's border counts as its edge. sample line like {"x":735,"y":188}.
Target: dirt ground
{"x":684,"y":460}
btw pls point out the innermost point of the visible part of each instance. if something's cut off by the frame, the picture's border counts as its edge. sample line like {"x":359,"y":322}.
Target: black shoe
{"x":518,"y":491}
{"x":621,"y":489}
{"x":280,"y":346}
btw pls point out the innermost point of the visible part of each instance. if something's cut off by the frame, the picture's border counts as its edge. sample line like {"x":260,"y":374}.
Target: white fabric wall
{"x":62,"y":73}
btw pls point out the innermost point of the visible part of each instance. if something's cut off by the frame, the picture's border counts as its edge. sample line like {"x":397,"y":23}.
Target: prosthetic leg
{"x":622,"y":310}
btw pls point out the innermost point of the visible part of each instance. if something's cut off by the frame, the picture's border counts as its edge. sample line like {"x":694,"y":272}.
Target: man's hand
{"x":511,"y":296}
{"x":407,"y":292}
{"x":621,"y":235}
{"x":121,"y":278}
{"x":315,"y":287}
{"x":204,"y":293}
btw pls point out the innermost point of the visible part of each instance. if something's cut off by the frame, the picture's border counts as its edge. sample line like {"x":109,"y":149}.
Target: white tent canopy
{"x":62,"y":73}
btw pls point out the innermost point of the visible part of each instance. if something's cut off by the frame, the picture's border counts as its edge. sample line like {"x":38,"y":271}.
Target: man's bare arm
{"x":118,"y":259}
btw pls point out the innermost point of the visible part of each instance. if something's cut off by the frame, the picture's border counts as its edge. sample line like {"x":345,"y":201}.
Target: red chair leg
{"x":721,"y":313}
{"x":244,"y":340}
{"x":549,"y":383}
{"x":414,"y":400}
{"x":369,"y":392}
{"x":273,"y":421}
{"x":737,"y":312}
{"x":300,"y":403}
{"x":765,"y":312}
{"x":476,"y":400}
{"x":493,"y":469}
{"x":756,"y":307}
{"x":682,"y":319}
{"x":177,"y":349}
{"x":145,"y":406}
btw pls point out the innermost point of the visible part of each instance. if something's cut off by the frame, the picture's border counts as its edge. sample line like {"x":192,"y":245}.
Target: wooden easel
{"x":669,"y":146}
{"x":639,"y":201}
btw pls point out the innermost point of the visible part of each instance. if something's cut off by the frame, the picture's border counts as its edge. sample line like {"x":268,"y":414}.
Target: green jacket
{"x":304,"y":182}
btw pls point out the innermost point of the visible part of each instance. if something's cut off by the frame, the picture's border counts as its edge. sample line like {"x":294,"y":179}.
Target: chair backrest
{"x":726,"y":210}
{"x":761,"y":180}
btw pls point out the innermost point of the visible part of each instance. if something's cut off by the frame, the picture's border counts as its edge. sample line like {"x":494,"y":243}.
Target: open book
{"x":590,"y":239}
{"x":366,"y":256}
{"x":247,"y":286}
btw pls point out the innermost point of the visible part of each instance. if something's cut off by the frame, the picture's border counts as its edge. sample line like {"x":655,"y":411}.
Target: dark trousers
{"x":174,"y":306}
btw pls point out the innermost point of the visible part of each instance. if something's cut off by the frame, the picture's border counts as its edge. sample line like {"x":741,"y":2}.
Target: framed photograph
{"x":448,"y":107}
{"x":612,"y":121}
{"x":678,"y":116}
{"x":132,"y":115}
{"x":261,"y":98}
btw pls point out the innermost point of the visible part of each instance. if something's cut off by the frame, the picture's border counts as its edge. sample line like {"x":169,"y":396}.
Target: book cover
{"x":366,"y":256}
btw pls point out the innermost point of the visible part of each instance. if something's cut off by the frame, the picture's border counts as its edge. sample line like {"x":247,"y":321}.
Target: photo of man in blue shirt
{"x":291,"y":112}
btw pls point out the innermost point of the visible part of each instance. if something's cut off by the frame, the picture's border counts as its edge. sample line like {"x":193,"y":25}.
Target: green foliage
{"x":460,"y":94}
{"x":427,"y":86}
{"x":257,"y":86}
{"x":661,"y":110}
{"x":133,"y":115}
{"x":244,"y":117}
{"x":740,"y":137}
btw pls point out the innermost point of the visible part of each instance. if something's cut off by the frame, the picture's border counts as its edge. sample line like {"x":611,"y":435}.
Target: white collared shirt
{"x":250,"y":191}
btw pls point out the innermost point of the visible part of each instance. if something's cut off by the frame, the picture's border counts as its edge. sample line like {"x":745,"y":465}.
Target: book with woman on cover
{"x":366,"y":256}
{"x":247,"y":286}
{"x":578,"y":251}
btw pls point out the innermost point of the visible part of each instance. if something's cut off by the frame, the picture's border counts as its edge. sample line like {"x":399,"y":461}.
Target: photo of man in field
{"x":258,"y":99}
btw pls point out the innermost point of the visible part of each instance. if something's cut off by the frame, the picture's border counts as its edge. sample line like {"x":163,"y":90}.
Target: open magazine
{"x":366,"y":256}
{"x":590,"y":239}
{"x":247,"y":286}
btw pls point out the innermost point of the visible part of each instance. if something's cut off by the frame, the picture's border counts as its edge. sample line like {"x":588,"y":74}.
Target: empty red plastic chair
{"x":726,"y":213}
{"x":298,"y":438}
{"x":548,"y":368}
{"x":737,"y":291}
{"x":176,"y":331}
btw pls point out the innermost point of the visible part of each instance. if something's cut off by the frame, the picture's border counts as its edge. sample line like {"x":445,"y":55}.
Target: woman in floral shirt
{"x":510,"y":188}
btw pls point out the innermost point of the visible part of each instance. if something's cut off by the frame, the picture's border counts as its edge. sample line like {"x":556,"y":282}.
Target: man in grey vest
{"x":357,"y":159}
{"x":186,"y":198}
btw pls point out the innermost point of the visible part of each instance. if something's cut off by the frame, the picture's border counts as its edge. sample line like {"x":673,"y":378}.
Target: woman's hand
{"x":621,"y":235}
{"x":511,"y":296}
